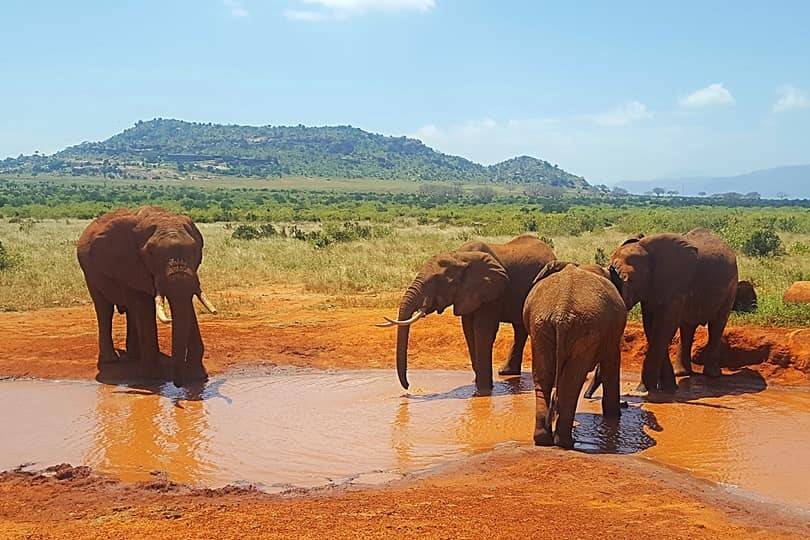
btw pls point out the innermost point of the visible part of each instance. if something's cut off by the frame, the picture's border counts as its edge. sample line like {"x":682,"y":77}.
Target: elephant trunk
{"x":411,"y":301}
{"x":182,"y":318}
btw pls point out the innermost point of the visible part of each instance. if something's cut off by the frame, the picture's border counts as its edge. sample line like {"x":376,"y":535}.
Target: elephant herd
{"x":575,"y":315}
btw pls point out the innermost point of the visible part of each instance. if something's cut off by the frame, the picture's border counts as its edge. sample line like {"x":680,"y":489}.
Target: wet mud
{"x":306,"y":428}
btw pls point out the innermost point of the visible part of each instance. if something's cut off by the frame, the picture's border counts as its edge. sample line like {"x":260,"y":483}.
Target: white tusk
{"x":416,"y":316}
{"x":205,"y":302}
{"x":384,"y":324}
{"x":160,"y":310}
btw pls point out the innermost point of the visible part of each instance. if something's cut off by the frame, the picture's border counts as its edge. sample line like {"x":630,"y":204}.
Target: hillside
{"x":789,"y":182}
{"x":339,"y":151}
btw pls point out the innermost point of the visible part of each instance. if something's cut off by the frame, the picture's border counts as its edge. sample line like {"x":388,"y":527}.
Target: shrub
{"x":799,"y":248}
{"x":5,"y":258}
{"x":250,"y":232}
{"x":762,"y":243}
{"x":600,"y":257}
{"x":547,"y":240}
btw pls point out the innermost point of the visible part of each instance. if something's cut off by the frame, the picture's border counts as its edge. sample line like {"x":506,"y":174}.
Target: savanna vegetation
{"x":363,"y":247}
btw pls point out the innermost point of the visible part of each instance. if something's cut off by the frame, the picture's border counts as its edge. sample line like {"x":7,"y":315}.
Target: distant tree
{"x":483,"y":194}
{"x":672,"y":192}
{"x":702,"y":194}
{"x":753,"y":195}
{"x":658,"y":191}
{"x":543,"y":191}
{"x":782,"y":195}
{"x":620,"y":192}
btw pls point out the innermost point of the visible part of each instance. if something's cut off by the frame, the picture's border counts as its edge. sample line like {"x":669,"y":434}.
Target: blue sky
{"x":610,"y":90}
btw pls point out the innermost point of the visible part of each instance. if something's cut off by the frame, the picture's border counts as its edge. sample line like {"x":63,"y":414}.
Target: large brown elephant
{"x":486,"y":284}
{"x":681,"y":281}
{"x":576,"y":318}
{"x":134,"y":261}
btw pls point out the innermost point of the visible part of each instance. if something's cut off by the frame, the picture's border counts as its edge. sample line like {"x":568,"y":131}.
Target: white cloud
{"x":625,"y":114}
{"x":343,"y":9}
{"x":714,"y":94}
{"x":790,"y":97}
{"x":236,"y":8}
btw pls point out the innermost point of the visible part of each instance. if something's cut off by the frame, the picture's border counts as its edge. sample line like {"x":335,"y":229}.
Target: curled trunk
{"x":411,"y":301}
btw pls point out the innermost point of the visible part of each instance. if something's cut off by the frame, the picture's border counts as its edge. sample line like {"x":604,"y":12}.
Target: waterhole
{"x":311,"y":428}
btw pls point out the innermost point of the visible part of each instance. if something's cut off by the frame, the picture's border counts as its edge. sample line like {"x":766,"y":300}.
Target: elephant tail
{"x":554,"y":398}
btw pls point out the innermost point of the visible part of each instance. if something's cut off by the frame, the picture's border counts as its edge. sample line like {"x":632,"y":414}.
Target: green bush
{"x":600,"y":257}
{"x":547,"y":240}
{"x":763,"y":243}
{"x":799,"y":248}
{"x":250,"y":232}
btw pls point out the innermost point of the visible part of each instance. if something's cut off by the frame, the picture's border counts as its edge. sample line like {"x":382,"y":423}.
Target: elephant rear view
{"x":576,"y":319}
{"x":134,"y":261}
{"x":486,"y":284}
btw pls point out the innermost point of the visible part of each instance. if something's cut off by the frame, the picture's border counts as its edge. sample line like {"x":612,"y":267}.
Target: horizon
{"x":610,"y":94}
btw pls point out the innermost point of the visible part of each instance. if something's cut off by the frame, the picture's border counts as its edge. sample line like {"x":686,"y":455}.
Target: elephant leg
{"x":663,"y":329}
{"x":104,"y":316}
{"x":513,"y":364}
{"x":468,"y":325}
{"x":569,"y":386}
{"x":145,"y":320}
{"x":194,"y":355}
{"x":610,"y":374}
{"x":543,"y":363}
{"x":666,"y":379}
{"x":133,"y":340}
{"x":485,"y":328}
{"x":711,"y":362}
{"x":683,"y":365}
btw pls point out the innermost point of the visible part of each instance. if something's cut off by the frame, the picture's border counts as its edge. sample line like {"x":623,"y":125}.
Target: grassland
{"x":369,"y":271}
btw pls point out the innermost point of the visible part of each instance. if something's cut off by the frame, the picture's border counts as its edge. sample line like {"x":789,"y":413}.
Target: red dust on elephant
{"x":135,"y":261}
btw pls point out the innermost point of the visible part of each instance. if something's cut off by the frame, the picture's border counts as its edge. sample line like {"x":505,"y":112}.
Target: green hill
{"x":338,"y":151}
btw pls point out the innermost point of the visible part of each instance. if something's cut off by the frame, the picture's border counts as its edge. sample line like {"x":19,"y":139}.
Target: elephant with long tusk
{"x":137,"y":261}
{"x":486,"y":284}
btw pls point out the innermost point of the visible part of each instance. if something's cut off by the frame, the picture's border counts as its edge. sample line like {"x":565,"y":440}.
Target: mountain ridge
{"x":327,"y":151}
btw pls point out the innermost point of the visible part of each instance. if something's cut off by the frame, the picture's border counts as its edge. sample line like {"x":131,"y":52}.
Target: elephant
{"x":576,"y":319}
{"x":682,"y":282}
{"x":134,"y":261}
{"x":486,"y":284}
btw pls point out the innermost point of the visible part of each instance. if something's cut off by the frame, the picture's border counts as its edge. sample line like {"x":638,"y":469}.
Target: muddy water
{"x":293,"y":428}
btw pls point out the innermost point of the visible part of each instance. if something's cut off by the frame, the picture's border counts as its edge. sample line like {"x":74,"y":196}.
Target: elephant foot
{"x":711,"y":370}
{"x":108,"y":358}
{"x":196,"y":373}
{"x":682,"y":371}
{"x":667,"y":386}
{"x":543,"y":438}
{"x":564,"y":441}
{"x":483,"y":391}
{"x":640,"y":391}
{"x":509,"y":369}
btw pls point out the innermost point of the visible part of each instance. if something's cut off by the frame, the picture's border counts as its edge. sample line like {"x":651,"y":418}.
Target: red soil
{"x":526,"y":492}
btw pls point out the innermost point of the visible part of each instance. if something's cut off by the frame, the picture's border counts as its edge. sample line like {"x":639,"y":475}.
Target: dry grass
{"x":362,"y":273}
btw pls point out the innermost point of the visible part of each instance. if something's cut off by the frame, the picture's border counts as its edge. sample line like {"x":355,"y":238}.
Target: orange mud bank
{"x":287,"y":326}
{"x":512,"y":492}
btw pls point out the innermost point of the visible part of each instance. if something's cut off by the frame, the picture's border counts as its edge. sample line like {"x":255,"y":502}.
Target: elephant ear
{"x":674,"y":265}
{"x":115,"y":253}
{"x":633,"y":239}
{"x":483,"y":280}
{"x":551,"y":268}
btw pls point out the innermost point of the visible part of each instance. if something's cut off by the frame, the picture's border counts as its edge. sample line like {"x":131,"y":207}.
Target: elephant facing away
{"x":486,"y":284}
{"x":682,"y":282}
{"x":135,"y":261}
{"x":576,"y":319}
